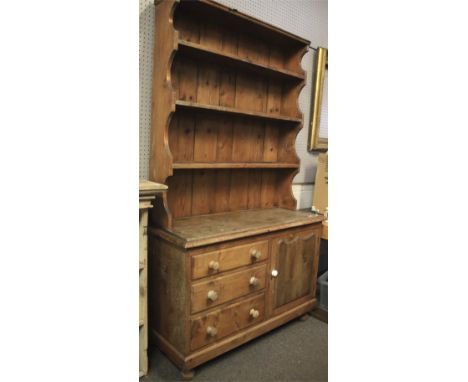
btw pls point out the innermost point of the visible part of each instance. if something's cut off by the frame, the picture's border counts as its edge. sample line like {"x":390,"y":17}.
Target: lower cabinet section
{"x":208,"y":300}
{"x":220,"y":323}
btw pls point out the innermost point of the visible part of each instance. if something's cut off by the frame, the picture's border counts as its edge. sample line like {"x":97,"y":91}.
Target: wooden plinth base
{"x":205,"y":354}
{"x":187,"y":375}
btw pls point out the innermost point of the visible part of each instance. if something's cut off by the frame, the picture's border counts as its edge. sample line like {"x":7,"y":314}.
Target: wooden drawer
{"x":223,"y":322}
{"x":207,"y":294}
{"x":211,"y":263}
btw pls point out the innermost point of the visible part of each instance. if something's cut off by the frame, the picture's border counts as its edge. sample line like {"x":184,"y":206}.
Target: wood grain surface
{"x":229,"y":258}
{"x":227,"y":287}
{"x":228,"y":320}
{"x":224,"y":124}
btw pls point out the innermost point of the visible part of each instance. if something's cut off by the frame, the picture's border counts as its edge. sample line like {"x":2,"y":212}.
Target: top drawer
{"x":211,"y":263}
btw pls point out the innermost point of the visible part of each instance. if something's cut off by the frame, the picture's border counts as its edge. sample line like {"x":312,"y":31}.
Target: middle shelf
{"x":199,"y":51}
{"x":229,"y":110}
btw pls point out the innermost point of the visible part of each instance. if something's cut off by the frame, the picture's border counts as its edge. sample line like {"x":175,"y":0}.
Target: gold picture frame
{"x":321,"y":66}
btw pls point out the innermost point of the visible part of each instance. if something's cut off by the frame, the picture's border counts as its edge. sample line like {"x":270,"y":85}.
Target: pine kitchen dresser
{"x":230,"y":257}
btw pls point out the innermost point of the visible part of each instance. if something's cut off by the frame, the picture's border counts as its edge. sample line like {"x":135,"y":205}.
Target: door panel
{"x":295,"y":259}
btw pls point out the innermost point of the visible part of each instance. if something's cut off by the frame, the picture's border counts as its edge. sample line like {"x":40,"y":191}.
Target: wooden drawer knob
{"x":212,"y":295}
{"x":255,"y":254}
{"x":274,"y":273}
{"x":254,"y":313}
{"x":213,"y":265}
{"x":253,"y":281}
{"x":211,"y":331}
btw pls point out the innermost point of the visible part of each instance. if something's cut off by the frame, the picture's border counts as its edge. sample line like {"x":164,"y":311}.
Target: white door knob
{"x":212,"y":295}
{"x":211,"y":331}
{"x":213,"y":265}
{"x":274,"y":273}
{"x":254,"y":313}
{"x":253,"y":281}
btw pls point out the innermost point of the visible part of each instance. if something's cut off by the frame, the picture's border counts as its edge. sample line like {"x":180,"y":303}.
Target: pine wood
{"x":196,"y":231}
{"x":208,"y":93}
{"x":177,"y":300}
{"x":325,"y":230}
{"x":228,"y":320}
{"x":228,"y":287}
{"x":187,"y":375}
{"x":195,"y":50}
{"x":227,"y":165}
{"x":225,"y":98}
{"x":296,"y":257}
{"x":207,"y":353}
{"x":148,"y":191}
{"x":169,"y":293}
{"x":228,"y":259}
{"x":224,"y":125}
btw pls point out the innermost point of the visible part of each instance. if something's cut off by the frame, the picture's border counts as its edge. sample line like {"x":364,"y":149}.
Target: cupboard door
{"x":294,"y":269}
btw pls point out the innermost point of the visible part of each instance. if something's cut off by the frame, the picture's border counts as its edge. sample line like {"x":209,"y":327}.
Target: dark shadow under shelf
{"x":222,"y":109}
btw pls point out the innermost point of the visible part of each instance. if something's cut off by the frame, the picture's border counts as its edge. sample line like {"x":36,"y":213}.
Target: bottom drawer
{"x":225,"y":321}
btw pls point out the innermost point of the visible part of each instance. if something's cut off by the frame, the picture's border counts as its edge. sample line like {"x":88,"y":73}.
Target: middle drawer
{"x":207,"y":294}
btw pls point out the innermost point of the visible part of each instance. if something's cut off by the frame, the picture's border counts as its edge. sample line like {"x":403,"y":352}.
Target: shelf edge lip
{"x":236,"y":165}
{"x":229,"y":110}
{"x":201,"y":48}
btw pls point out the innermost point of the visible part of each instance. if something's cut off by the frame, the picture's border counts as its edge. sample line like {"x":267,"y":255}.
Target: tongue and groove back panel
{"x":228,"y":137}
{"x":198,"y":192}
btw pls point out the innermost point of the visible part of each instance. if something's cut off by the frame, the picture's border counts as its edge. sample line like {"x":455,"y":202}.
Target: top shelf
{"x":198,"y":51}
{"x":232,"y":18}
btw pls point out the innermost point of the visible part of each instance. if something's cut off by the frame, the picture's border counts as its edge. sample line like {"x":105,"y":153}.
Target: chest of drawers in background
{"x":148,"y":191}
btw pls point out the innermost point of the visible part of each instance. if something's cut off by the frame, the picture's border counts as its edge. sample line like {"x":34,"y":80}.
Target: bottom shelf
{"x":195,"y":231}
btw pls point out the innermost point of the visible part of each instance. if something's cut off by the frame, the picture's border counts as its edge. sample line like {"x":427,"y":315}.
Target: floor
{"x":297,"y":351}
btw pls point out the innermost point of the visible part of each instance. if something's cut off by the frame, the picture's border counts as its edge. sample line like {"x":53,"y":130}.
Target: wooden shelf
{"x":214,"y":165}
{"x":225,"y":125}
{"x":195,"y":231}
{"x":234,"y":20}
{"x":221,"y":109}
{"x":199,"y":51}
